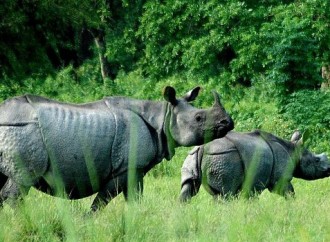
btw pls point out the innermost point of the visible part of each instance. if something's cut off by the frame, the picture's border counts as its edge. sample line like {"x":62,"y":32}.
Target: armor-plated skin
{"x":76,"y":150}
{"x":250,"y":163}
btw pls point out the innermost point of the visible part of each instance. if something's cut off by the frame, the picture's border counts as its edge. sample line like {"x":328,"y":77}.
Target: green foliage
{"x":69,"y":84}
{"x":286,"y":42}
{"x":293,"y":54}
{"x":42,"y":36}
{"x":310,"y":110}
{"x":280,"y":42}
{"x":124,"y":48}
{"x":188,"y":36}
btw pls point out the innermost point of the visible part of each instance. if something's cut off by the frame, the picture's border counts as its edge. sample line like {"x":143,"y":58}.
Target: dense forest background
{"x":268,"y":59}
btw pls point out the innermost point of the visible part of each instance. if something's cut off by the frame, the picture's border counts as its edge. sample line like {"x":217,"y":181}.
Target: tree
{"x":326,"y":77}
{"x":38,"y":36}
{"x":286,"y":42}
{"x":281,"y":41}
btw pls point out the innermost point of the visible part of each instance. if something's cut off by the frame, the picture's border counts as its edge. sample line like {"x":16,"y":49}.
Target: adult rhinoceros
{"x":77,"y":150}
{"x":250,"y":162}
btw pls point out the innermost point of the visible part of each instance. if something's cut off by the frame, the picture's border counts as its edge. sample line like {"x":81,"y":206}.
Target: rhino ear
{"x":169,"y":94}
{"x":299,"y":138}
{"x":191,"y":95}
{"x":305,"y":136}
{"x":296,"y":136}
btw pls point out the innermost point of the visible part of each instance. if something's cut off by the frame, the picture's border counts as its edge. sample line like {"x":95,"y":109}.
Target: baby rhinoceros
{"x":250,"y":163}
{"x":103,"y":147}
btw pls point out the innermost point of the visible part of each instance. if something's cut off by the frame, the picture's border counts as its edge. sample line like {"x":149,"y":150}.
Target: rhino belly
{"x":78,"y":142}
{"x":23,"y":156}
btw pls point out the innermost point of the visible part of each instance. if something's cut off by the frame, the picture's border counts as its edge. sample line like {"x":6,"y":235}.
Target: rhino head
{"x":186,"y":125}
{"x":310,"y":166}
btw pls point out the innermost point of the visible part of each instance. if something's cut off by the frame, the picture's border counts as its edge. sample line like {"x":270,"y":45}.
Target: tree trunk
{"x":99,"y":39}
{"x":326,"y":76}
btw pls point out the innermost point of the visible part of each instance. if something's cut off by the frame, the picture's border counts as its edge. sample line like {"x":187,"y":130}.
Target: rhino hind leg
{"x":284,"y":189}
{"x":13,"y":191}
{"x":189,"y":189}
{"x":3,"y":180}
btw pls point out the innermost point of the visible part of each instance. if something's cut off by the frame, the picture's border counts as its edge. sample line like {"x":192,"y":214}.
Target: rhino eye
{"x":198,"y":118}
{"x":317,"y":159}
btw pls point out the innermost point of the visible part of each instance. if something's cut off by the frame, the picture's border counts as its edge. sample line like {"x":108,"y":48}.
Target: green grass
{"x":160,"y":217}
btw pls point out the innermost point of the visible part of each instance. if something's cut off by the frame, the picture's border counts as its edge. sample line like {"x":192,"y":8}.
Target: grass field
{"x":160,"y":217}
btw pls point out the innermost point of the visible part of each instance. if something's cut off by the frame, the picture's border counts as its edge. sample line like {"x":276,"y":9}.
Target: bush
{"x":309,"y":109}
{"x":286,"y":43}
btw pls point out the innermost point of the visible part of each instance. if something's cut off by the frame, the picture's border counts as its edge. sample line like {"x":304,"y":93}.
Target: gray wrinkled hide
{"x":78,"y":150}
{"x":249,"y":162}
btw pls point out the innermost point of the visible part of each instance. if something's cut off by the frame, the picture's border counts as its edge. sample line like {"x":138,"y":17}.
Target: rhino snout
{"x":325,"y":170}
{"x":325,"y":164}
{"x":224,"y":125}
{"x":328,"y":171}
{"x":323,"y":157}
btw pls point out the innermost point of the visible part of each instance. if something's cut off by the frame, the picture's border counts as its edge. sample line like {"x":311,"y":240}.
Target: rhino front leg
{"x":11,"y":190}
{"x":134,"y":188}
{"x":284,"y":189}
{"x":111,"y":189}
{"x":289,"y":191}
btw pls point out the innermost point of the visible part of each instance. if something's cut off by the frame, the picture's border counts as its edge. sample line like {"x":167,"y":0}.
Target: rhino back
{"x":17,"y":111}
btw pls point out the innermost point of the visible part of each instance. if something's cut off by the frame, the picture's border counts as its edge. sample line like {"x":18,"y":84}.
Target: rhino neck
{"x":285,"y":159}
{"x":154,"y":114}
{"x":169,"y":142}
{"x":296,"y":158}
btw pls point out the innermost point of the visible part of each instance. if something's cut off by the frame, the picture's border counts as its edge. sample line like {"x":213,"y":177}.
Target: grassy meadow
{"x":160,"y":217}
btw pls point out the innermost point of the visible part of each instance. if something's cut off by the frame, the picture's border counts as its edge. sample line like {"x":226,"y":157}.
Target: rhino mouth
{"x":327,"y":172}
{"x":218,"y":131}
{"x":224,"y":127}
